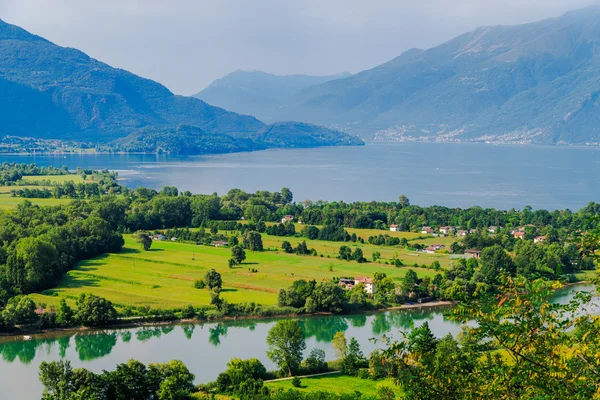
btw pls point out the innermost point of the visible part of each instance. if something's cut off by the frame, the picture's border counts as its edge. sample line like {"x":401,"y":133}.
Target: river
{"x":204,"y":348}
{"x":449,"y":174}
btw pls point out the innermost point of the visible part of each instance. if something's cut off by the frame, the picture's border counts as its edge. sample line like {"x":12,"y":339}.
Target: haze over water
{"x":454,"y":175}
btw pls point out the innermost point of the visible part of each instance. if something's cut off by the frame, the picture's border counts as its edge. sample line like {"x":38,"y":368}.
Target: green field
{"x":8,"y":202}
{"x":163,"y":277}
{"x":76,"y":178}
{"x":337,"y":384}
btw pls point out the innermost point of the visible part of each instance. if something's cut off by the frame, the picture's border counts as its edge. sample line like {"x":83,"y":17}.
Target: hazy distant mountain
{"x":49,"y":91}
{"x":259,"y":93}
{"x":538,"y":82}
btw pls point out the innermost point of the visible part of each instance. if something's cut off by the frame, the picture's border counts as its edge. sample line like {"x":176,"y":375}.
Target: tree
{"x":544,"y":350}
{"x":143,"y":238}
{"x":327,"y":296}
{"x":345,"y":253}
{"x":421,"y":340}
{"x":253,"y":241}
{"x":94,"y":311}
{"x":340,"y":345}
{"x":354,"y":358}
{"x":385,"y":392}
{"x":287,"y":247}
{"x":286,"y":344}
{"x":403,"y":201}
{"x":302,"y":248}
{"x":175,"y":381}
{"x":213,"y":280}
{"x":238,"y":254}
{"x":409,"y":283}
{"x":357,"y":255}
{"x":494,"y":260}
{"x":233,"y":241}
{"x":375,"y":256}
{"x":286,"y":195}
{"x":65,"y":314}
{"x":315,"y":362}
{"x":19,"y":310}
{"x":33,"y":264}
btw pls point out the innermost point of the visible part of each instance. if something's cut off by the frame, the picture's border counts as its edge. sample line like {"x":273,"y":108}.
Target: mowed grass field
{"x":8,"y":202}
{"x":337,"y":384}
{"x":163,"y":277}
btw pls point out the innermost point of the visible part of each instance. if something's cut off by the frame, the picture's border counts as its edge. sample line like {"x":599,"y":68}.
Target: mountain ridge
{"x":257,"y":92}
{"x":497,"y":82}
{"x":76,"y":97}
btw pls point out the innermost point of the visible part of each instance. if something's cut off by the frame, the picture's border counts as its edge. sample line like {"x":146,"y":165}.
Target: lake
{"x":449,"y":174}
{"x":204,"y":348}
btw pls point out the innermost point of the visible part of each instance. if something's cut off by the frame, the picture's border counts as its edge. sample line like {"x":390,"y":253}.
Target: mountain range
{"x":53,"y":92}
{"x":259,"y":93}
{"x":531,"y":83}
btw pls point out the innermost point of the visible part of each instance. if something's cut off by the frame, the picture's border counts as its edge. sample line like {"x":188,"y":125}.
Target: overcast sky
{"x":186,"y":44}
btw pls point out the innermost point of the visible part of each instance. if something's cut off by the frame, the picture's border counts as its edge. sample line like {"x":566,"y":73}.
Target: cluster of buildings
{"x":443,"y":231}
{"x":349,"y":283}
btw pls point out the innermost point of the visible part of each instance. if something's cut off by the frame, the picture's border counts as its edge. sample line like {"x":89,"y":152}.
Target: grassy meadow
{"x":336,"y":384}
{"x":8,"y":202}
{"x":163,"y":277}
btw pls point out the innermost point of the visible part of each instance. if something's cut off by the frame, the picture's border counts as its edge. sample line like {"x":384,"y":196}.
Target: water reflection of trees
{"x":216,"y":332}
{"x":25,"y":351}
{"x":96,"y":345}
{"x":323,"y":329}
{"x":188,"y":330}
{"x":401,"y":320}
{"x":146,"y":333}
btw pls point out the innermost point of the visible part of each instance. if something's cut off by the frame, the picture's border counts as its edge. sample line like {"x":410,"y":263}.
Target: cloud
{"x":185,"y":44}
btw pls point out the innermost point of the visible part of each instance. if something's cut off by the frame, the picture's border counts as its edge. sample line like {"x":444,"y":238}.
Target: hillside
{"x":259,"y":93}
{"x":53,"y":92}
{"x":532,"y":83}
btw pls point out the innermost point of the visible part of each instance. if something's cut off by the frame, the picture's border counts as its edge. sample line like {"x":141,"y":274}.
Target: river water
{"x":449,"y":174}
{"x":204,"y":348}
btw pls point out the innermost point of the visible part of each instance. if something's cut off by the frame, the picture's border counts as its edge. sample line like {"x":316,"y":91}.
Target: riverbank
{"x":145,"y":322}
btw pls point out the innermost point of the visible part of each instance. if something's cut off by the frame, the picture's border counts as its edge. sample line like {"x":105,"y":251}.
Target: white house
{"x":462,"y":232}
{"x":287,"y":218}
{"x":493,"y":229}
{"x":446,"y":230}
{"x":368,"y":282}
{"x":426,"y":230}
{"x":539,"y":239}
{"x":395,"y":228}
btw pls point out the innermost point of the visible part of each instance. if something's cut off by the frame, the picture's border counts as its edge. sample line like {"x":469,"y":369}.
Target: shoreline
{"x":125,"y":324}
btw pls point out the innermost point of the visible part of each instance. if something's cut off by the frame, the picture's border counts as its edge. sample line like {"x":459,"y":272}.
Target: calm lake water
{"x":205,"y":348}
{"x":455,"y":175}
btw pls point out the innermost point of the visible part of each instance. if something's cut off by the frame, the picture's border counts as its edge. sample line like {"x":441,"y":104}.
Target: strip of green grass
{"x":337,"y":384}
{"x":8,"y":202}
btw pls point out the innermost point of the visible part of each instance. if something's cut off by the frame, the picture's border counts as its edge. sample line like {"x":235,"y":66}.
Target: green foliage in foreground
{"x":551,"y":351}
{"x":131,"y":380}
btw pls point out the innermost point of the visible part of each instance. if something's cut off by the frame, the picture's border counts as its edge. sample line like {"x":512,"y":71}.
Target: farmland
{"x":163,"y":277}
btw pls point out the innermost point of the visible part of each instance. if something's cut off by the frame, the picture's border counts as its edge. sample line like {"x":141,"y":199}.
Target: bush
{"x":296,"y":382}
{"x":199,"y":284}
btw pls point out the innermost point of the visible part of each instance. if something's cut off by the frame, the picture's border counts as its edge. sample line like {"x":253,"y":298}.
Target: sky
{"x":186,"y":44}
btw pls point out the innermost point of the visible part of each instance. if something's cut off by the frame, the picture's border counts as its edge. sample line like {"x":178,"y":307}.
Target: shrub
{"x":199,"y":284}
